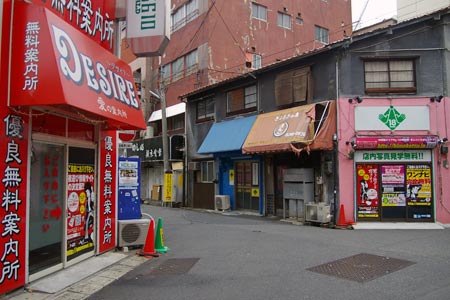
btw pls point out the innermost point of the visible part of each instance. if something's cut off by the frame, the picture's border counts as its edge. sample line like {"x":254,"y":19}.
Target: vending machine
{"x":129,"y":188}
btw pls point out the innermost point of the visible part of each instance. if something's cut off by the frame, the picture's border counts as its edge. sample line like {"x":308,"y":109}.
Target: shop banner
{"x":367,"y":191}
{"x":407,"y":142}
{"x":55,"y":64}
{"x":393,"y":185}
{"x":107,"y":206}
{"x":80,"y":208}
{"x":418,"y":185}
{"x":13,"y":163}
{"x":94,"y":18}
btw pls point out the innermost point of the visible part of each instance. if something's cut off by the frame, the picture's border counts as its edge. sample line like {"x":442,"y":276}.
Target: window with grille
{"x":165,"y":73}
{"x":242,"y":100}
{"x":321,"y":34}
{"x":205,"y":109}
{"x":389,"y":76}
{"x":259,"y":12}
{"x":284,"y":20}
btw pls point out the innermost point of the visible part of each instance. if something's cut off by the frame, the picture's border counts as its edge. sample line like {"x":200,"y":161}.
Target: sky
{"x":376,"y":11}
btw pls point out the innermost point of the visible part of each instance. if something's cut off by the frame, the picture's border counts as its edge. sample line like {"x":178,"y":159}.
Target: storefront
{"x":297,"y":137}
{"x":395,"y":185}
{"x":237,"y":176}
{"x":62,"y":104}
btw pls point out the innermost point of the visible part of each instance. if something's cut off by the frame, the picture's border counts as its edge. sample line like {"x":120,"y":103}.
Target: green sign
{"x":392,"y":118}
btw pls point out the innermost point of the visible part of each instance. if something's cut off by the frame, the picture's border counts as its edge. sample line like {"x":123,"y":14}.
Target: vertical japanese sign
{"x":13,"y":153}
{"x":367,"y":191}
{"x":393,"y":185}
{"x":108,"y":182}
{"x":168,"y":187}
{"x":80,"y":208}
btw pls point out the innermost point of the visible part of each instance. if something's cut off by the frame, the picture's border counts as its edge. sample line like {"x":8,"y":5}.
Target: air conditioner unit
{"x":222,"y":202}
{"x":317,"y":212}
{"x":133,"y":232}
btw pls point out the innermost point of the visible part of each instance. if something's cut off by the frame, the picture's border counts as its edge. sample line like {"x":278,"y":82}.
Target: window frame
{"x":191,"y":62}
{"x":390,"y":89}
{"x":319,"y":34}
{"x":184,"y":14}
{"x":256,"y":12}
{"x":207,"y":116}
{"x":283,"y":16}
{"x":246,"y":94}
{"x":256,"y":61}
{"x":207,"y":171}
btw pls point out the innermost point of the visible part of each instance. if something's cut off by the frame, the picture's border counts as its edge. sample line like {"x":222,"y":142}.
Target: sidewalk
{"x":72,"y":284}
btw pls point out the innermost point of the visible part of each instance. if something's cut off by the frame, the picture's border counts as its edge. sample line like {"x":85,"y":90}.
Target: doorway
{"x":247,"y":185}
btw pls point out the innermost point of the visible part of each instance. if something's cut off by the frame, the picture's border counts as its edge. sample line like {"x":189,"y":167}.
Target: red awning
{"x":54,"y":65}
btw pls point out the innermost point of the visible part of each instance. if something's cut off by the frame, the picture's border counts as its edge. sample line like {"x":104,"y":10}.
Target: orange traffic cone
{"x":341,"y":221}
{"x":149,"y":247}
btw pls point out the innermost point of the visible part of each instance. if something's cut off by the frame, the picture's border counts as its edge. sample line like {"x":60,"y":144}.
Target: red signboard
{"x":55,"y":64}
{"x":108,"y":202}
{"x":94,"y":18}
{"x":13,"y":164}
{"x":407,"y":142}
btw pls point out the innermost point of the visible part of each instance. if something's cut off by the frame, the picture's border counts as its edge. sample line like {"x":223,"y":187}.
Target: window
{"x":184,"y":14}
{"x":299,"y":20}
{"x":390,"y":76}
{"x":165,"y":73}
{"x":259,"y":12}
{"x":241,"y":100}
{"x":256,"y":61}
{"x":176,"y":122}
{"x":191,"y":62}
{"x":207,"y":170}
{"x":177,"y":68}
{"x":205,"y":109}
{"x":284,"y":20}
{"x":321,"y":34}
{"x":293,"y":86}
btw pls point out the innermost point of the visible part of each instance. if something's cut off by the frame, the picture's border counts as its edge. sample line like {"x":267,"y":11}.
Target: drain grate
{"x":361,"y":267}
{"x":175,"y":266}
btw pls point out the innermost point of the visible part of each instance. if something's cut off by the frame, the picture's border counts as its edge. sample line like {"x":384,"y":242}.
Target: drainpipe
{"x":335,"y":147}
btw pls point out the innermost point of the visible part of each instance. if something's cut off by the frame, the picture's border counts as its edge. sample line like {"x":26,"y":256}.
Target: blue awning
{"x":227,"y":136}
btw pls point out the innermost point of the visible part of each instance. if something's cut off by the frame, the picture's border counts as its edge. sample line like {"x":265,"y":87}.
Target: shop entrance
{"x":62,"y":219}
{"x":247,"y":185}
{"x":395,"y":192}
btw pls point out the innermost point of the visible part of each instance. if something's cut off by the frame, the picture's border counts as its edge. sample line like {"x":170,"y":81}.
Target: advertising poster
{"x":393,"y":185}
{"x":367,"y":191}
{"x":418,"y":185}
{"x":80,"y":208}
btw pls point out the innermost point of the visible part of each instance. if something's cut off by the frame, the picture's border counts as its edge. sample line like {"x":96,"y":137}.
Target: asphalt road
{"x":215,"y":256}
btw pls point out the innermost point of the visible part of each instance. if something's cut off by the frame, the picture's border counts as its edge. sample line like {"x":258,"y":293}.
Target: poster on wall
{"x":367,"y":191}
{"x":129,"y":188}
{"x":418,"y":185}
{"x":393,"y":185}
{"x":80,"y":208}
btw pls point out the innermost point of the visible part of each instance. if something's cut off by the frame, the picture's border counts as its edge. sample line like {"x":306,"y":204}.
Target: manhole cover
{"x":175,"y":266}
{"x":361,"y":267}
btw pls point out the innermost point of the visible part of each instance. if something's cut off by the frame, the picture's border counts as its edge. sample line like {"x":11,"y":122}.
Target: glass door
{"x":46,"y":221}
{"x":247,"y":185}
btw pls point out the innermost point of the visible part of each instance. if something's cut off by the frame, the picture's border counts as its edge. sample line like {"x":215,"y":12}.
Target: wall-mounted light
{"x":436,"y":98}
{"x":356,"y":99}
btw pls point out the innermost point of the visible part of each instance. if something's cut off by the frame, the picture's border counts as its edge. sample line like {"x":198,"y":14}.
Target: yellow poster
{"x":255,"y":192}
{"x":168,"y":186}
{"x":231,"y":177}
